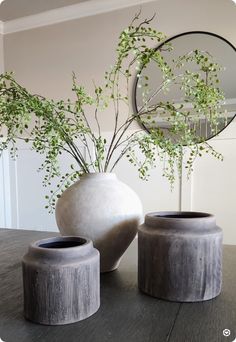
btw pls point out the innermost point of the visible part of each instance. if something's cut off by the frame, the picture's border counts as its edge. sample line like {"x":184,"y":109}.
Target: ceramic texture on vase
{"x":180,"y":256}
{"x":104,"y":209}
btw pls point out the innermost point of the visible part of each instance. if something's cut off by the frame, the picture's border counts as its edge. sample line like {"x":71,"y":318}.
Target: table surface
{"x":125,"y":315}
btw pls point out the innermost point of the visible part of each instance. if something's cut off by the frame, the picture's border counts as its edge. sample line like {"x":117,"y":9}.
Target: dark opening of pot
{"x":63,"y":243}
{"x":183,"y":215}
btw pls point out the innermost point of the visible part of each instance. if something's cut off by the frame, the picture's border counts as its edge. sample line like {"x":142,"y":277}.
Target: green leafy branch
{"x":56,"y":127}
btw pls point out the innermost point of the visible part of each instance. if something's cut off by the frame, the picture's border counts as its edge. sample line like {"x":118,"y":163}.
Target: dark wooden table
{"x":125,"y":315}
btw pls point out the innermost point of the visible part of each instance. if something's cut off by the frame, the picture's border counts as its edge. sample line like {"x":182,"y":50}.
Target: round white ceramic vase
{"x":103,"y":209}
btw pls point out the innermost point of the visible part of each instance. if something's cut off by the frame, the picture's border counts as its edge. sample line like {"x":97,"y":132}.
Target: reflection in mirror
{"x":204,"y":44}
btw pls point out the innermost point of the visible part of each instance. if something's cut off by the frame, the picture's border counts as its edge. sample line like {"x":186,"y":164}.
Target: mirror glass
{"x":222,"y":52}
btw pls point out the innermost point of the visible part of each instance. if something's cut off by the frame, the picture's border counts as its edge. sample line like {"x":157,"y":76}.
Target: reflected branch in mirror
{"x":191,"y":82}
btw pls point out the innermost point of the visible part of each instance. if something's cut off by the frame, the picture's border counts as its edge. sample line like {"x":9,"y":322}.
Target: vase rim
{"x":182,"y":217}
{"x":61,"y":240}
{"x":179,"y":215}
{"x":53,"y":247}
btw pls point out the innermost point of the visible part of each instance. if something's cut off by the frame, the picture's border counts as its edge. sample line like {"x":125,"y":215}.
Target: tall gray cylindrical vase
{"x":61,"y":280}
{"x":180,"y":256}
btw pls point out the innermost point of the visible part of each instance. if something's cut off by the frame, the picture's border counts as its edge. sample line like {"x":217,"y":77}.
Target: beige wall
{"x":43,"y":59}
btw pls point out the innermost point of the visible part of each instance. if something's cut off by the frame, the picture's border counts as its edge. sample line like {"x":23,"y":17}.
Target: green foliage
{"x":53,"y":127}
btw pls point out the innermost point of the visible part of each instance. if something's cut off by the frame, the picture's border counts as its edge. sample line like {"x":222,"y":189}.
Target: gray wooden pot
{"x":61,"y":279}
{"x":180,"y":256}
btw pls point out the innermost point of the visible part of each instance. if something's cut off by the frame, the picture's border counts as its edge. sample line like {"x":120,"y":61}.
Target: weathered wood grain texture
{"x":205,"y":321}
{"x":61,"y":279}
{"x":180,"y":258}
{"x":125,"y":313}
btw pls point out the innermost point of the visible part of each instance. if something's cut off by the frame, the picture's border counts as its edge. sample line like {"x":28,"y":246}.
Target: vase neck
{"x":99,"y":175}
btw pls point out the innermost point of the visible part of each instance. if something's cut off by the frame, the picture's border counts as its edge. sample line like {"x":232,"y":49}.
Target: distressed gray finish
{"x":61,"y":279}
{"x":125,"y":313}
{"x":180,"y":256}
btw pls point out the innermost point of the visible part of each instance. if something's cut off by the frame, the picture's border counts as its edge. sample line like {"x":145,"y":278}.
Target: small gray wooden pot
{"x":180,"y":256}
{"x":61,"y":278}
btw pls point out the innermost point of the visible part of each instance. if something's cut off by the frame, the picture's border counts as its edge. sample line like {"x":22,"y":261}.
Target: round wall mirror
{"x":223,"y":52}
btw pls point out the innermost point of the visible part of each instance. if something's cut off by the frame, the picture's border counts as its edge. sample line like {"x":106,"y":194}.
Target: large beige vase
{"x":103,"y":209}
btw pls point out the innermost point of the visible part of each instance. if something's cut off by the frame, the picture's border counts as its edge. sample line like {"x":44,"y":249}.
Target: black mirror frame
{"x":134,"y":95}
